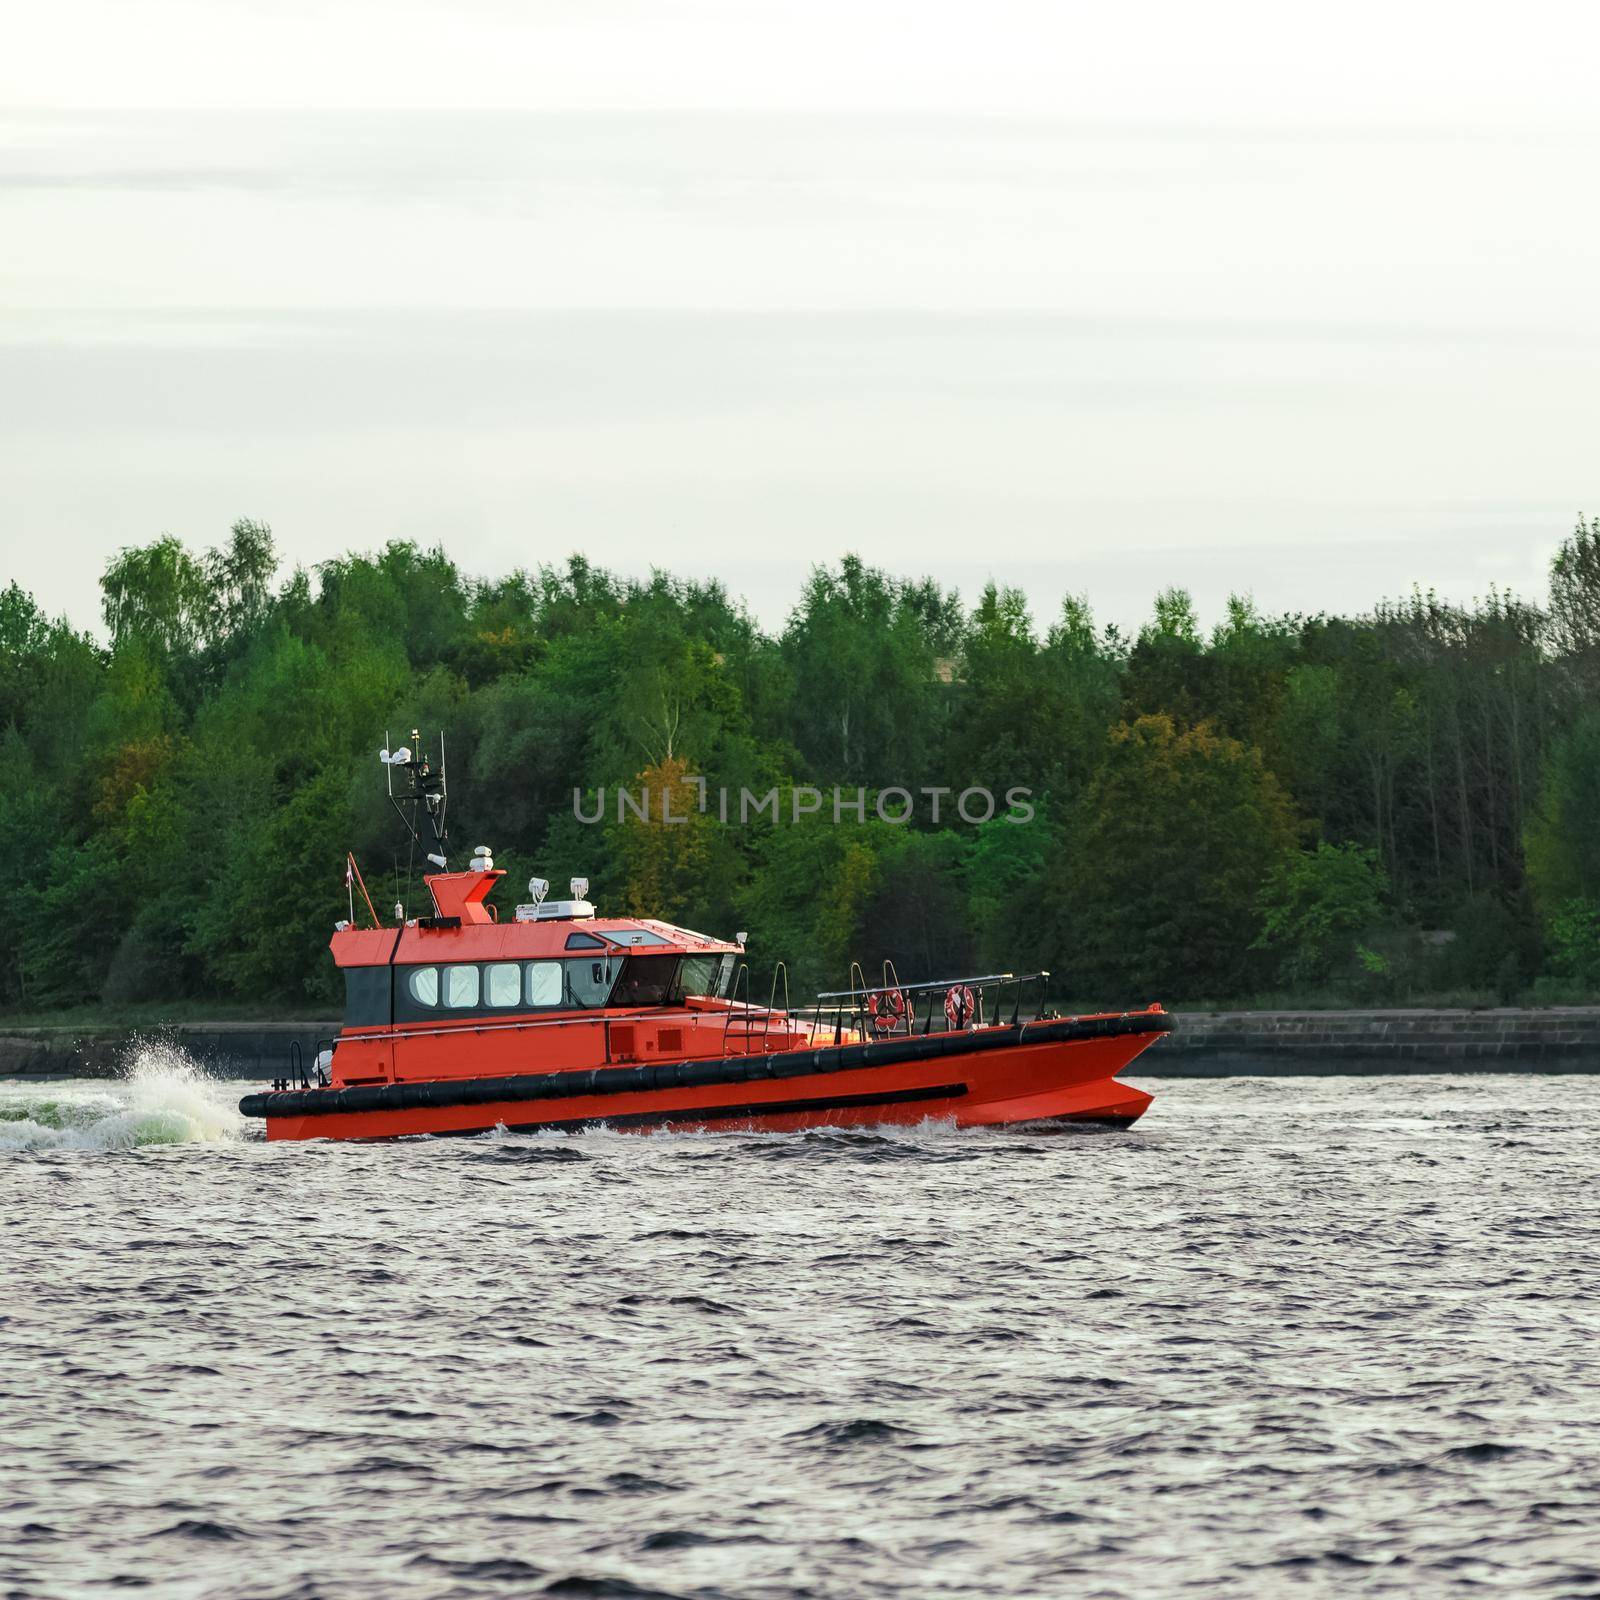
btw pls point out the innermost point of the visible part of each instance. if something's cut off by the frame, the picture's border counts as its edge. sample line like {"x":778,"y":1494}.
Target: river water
{"x":1291,"y":1336}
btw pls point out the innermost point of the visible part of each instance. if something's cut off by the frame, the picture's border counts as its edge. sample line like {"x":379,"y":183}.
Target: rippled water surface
{"x":1282,"y":1337}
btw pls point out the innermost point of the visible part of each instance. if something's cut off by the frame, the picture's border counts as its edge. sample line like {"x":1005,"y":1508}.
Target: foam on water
{"x":163,"y":1097}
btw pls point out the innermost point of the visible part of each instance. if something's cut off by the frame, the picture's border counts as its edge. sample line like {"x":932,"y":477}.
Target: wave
{"x":164,"y":1096}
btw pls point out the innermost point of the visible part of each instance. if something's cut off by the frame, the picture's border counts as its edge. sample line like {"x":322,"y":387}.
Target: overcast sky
{"x":1081,"y":297}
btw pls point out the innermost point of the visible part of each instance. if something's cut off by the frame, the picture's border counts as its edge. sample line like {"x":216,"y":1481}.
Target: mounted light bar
{"x":555,"y":911}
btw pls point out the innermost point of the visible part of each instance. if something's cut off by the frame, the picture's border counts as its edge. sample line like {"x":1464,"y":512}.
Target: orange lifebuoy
{"x":959,"y":1005}
{"x":887,"y":1009}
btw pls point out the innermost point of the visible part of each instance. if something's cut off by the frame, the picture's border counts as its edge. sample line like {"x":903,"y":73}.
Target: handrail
{"x":742,"y":971}
{"x":780,"y":970}
{"x":937,"y":983}
{"x":989,"y":1009}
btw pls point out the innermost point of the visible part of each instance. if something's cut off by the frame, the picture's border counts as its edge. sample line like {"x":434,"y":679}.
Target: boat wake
{"x":163,"y":1097}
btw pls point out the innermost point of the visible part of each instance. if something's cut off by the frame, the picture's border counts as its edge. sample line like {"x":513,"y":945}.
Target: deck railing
{"x":888,"y":1010}
{"x":943,"y":1005}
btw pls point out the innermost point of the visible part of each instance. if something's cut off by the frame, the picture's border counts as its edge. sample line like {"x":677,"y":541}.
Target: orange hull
{"x":1053,"y":1071}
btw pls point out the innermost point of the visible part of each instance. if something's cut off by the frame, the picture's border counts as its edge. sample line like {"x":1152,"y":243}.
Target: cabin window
{"x":502,"y":983}
{"x":589,"y":982}
{"x":460,"y":987}
{"x":584,"y":941}
{"x":564,"y":983}
{"x":544,"y":983}
{"x":645,"y":981}
{"x":639,"y":936}
{"x":698,"y":975}
{"x":366,"y":997}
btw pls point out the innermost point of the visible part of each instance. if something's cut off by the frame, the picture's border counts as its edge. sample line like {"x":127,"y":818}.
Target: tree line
{"x":1390,"y":807}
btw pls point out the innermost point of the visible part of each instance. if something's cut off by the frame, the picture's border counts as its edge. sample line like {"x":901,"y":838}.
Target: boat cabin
{"x":557,"y":988}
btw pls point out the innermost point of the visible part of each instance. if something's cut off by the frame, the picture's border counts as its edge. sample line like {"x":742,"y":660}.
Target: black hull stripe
{"x":438,"y":1093}
{"x":694,"y":1116}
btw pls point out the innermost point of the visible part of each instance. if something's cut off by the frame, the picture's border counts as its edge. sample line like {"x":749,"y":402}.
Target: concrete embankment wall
{"x":224,"y":1049}
{"x":1204,"y":1045}
{"x":1293,"y":1043}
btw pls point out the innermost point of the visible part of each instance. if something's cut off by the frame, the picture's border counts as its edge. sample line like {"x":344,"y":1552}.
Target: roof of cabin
{"x":519,"y":941}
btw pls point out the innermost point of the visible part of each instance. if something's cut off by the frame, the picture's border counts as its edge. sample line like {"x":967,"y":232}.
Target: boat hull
{"x":1052,"y":1072}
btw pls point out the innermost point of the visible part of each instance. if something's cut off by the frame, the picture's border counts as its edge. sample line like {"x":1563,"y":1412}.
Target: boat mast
{"x":425,"y":794}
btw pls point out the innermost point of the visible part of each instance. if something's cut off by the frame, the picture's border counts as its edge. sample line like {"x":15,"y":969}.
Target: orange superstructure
{"x":459,"y":1023}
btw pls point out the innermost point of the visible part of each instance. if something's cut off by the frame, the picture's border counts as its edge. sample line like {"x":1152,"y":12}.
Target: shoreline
{"x":1213,"y":1044}
{"x":1377,"y":1042}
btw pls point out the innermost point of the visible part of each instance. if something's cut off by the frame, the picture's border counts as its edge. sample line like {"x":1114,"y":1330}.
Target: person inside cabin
{"x":645,"y":981}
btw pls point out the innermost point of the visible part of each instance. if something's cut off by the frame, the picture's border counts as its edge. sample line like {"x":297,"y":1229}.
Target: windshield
{"x":645,"y":981}
{"x":662,"y":980}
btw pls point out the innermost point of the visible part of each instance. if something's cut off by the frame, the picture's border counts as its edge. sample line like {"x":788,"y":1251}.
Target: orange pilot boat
{"x":459,"y":1023}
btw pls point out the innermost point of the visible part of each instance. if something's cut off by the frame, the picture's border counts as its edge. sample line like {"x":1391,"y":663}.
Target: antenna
{"x":444,"y":791}
{"x":426,"y":796}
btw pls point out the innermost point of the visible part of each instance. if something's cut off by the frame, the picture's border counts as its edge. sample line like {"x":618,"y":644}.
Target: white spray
{"x":163,"y":1097}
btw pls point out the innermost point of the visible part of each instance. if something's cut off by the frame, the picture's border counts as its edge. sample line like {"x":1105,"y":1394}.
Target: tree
{"x":263,"y":928}
{"x":1316,"y":905}
{"x":157,"y":594}
{"x":1083,"y":672}
{"x":1574,"y":935}
{"x":1004,"y":870}
{"x":49,"y":677}
{"x":180,"y":792}
{"x":1164,"y":863}
{"x":1168,"y":671}
{"x":1575,"y":602}
{"x":664,"y":854}
{"x":238,"y":576}
{"x":1251,"y":657}
{"x":864,"y":652}
{"x":806,"y":900}
{"x":916,"y":916}
{"x":405,"y":597}
{"x":1006,"y":727}
{"x":1562,"y":839}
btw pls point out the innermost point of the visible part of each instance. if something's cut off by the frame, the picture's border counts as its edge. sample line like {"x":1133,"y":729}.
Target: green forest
{"x":1396,"y":808}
